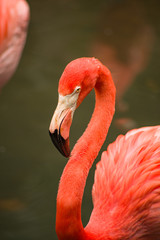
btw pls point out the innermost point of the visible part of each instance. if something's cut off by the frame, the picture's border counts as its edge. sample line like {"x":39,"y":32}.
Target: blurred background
{"x":125,"y":36}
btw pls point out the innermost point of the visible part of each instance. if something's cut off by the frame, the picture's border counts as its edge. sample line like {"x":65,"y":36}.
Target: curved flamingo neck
{"x":72,"y":183}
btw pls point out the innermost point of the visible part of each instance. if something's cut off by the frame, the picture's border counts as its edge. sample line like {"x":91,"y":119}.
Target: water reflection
{"x":124,"y":43}
{"x":59,"y":32}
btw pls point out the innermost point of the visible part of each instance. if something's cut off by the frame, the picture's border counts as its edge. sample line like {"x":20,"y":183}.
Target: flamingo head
{"x":77,"y":80}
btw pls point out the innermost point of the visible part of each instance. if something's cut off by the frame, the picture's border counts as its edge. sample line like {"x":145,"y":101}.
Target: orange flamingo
{"x":14,"y":18}
{"x":126,"y":191}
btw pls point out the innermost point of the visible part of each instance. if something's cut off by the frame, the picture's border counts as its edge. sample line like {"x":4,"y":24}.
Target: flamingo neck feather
{"x":73,"y":180}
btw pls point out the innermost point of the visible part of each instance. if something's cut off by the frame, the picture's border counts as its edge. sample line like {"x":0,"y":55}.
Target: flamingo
{"x":126,"y":190}
{"x":14,"y":19}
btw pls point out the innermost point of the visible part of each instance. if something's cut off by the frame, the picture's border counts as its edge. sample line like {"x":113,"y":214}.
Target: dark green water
{"x":123,"y":35}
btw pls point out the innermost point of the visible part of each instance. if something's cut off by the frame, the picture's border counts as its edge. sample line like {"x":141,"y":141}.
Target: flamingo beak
{"x":60,"y":127}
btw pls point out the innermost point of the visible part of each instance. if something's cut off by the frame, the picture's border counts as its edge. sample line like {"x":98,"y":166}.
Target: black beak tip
{"x":60,"y":143}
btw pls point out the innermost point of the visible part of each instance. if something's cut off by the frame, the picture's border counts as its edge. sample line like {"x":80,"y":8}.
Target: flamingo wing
{"x":126,"y":192}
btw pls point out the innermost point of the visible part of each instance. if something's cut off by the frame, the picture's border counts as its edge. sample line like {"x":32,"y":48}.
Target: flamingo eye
{"x":77,"y":90}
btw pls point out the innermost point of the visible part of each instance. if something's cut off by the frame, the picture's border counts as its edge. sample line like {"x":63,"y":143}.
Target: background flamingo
{"x":126,"y":192}
{"x":14,"y":18}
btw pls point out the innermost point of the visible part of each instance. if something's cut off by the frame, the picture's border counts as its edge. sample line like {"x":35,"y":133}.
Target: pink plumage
{"x":14,"y":19}
{"x":126,"y":190}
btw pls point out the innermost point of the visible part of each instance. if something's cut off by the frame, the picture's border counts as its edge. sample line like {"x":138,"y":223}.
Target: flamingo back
{"x":126,"y":191}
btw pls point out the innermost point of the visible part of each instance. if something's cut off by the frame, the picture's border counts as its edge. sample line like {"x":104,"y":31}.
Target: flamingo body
{"x":14,"y":16}
{"x":126,"y":190}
